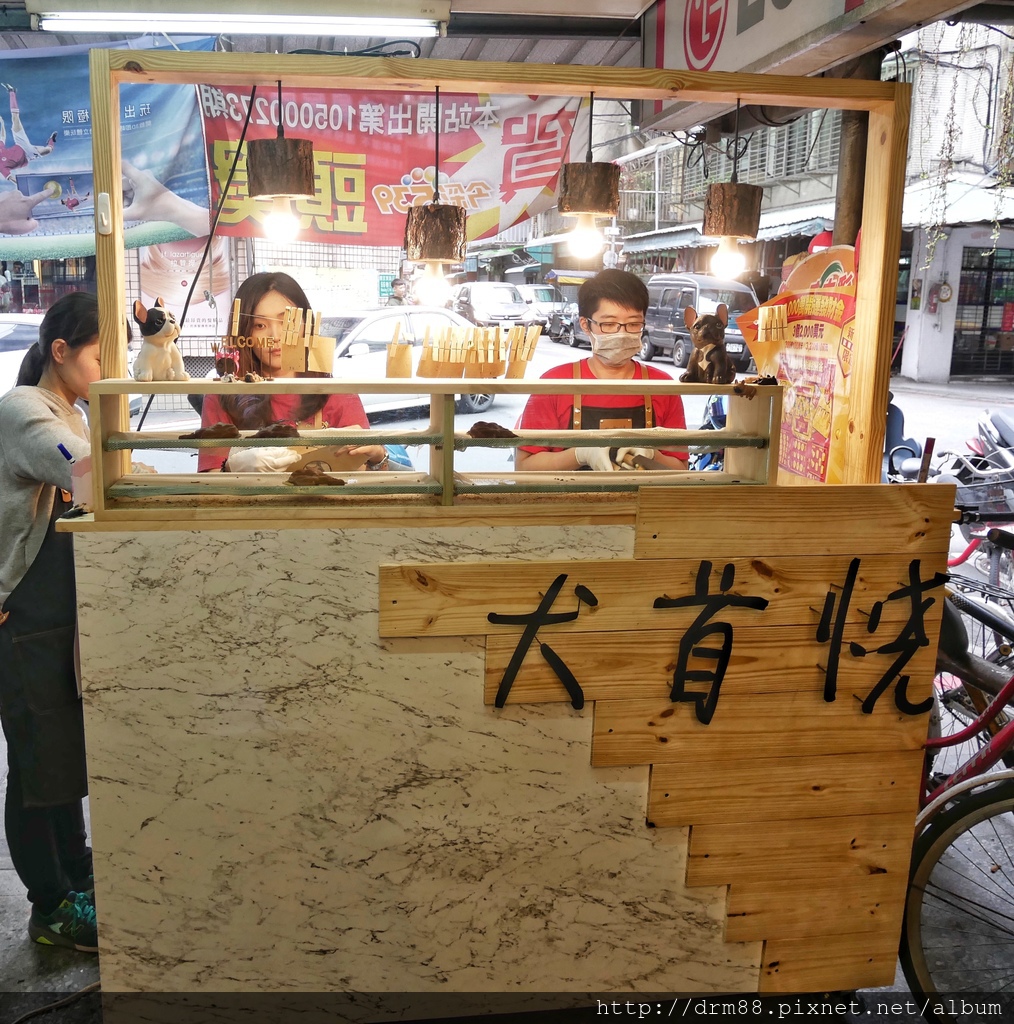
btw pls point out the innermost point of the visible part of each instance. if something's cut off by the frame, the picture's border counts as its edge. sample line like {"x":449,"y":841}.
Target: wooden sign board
{"x":769,"y":653}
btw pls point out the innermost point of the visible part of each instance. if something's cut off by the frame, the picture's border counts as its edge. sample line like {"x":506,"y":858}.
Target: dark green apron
{"x":40,"y":707}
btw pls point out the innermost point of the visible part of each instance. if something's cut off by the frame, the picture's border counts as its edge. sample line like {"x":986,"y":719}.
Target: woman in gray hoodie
{"x":40,"y":703}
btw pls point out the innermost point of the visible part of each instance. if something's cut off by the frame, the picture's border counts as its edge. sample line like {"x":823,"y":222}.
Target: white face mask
{"x":615,"y":349}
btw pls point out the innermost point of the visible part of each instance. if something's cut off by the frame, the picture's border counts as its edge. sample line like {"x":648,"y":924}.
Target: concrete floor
{"x":29,"y":974}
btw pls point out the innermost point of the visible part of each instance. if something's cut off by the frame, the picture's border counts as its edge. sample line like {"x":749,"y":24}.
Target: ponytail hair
{"x":75,"y":319}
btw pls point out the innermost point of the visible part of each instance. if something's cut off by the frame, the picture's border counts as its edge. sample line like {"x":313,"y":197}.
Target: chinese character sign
{"x":766,"y":658}
{"x":500,"y":158}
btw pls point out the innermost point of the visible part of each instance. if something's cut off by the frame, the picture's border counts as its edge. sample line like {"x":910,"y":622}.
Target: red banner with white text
{"x":374,"y":155}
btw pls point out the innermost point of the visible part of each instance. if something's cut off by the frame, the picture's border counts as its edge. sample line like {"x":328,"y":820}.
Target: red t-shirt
{"x":338,"y":411}
{"x":12,"y":158}
{"x":556,"y":412}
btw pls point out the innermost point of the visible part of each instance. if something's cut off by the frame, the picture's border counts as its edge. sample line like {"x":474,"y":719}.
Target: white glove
{"x":260,"y":460}
{"x":594,"y":458}
{"x":622,"y":453}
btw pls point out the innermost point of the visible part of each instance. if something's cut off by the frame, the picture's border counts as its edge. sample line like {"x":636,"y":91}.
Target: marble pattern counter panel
{"x":282,"y":801}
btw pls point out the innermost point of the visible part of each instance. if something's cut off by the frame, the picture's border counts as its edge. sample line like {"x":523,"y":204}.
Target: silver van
{"x":670,"y":294}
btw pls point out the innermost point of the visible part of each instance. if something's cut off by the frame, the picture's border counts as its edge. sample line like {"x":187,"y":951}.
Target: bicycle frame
{"x":986,"y":757}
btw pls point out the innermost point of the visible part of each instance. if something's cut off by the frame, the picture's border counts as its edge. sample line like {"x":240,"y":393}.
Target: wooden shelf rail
{"x":751,"y":437}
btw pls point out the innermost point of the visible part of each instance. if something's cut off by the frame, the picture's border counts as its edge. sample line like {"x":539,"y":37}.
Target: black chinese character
{"x":910,"y":637}
{"x":542,"y":616}
{"x":691,"y":641}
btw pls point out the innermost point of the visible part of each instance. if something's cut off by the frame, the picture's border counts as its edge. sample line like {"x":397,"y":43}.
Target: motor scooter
{"x":984,"y":479}
{"x":713,"y":419}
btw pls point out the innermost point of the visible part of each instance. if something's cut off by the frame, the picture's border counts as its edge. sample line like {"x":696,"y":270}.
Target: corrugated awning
{"x":668,"y":238}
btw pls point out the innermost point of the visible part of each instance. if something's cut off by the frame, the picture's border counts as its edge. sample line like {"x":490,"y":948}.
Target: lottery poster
{"x":810,"y":351}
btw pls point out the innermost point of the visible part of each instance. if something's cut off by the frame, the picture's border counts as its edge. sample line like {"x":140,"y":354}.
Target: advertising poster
{"x":812,"y":354}
{"x":500,"y":157}
{"x":47,"y":202}
{"x":167,"y":271}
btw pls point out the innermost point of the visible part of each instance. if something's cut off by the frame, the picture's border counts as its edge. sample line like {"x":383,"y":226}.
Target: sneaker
{"x":72,"y":925}
{"x":86,"y":888}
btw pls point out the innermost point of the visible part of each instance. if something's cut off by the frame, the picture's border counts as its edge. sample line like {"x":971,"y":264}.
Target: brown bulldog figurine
{"x":709,"y":362}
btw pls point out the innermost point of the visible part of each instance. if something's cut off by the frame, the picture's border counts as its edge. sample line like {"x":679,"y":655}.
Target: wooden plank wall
{"x":804,"y":808}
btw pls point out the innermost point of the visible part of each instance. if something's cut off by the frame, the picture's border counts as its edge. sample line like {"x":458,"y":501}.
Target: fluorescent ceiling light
{"x":413,"y":18}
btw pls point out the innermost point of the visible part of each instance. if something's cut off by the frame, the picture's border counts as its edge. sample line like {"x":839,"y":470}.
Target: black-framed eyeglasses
{"x":634,"y":326}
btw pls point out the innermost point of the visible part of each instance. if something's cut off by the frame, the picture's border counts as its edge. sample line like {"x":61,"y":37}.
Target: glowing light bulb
{"x":728,"y":261}
{"x":433,"y":289}
{"x":281,"y":224}
{"x":585,"y":241}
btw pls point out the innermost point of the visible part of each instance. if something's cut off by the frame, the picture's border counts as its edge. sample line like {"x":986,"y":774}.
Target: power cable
{"x":66,"y":1001}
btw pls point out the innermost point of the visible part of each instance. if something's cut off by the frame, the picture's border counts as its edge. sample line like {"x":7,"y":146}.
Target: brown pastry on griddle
{"x":279,"y":429}
{"x":311,"y":476}
{"x":215,"y":430}
{"x":484,"y":428}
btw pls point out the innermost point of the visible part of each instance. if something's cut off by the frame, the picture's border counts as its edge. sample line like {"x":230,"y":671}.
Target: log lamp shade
{"x":732,"y":209}
{"x":435,"y":233}
{"x":279,"y":167}
{"x":589,"y":187}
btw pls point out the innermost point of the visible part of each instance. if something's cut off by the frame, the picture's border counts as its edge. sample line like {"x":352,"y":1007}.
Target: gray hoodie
{"x":33,"y":421}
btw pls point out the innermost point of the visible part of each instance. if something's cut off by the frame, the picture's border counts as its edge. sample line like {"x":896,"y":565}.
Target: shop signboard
{"x":810,"y":351}
{"x":47,"y":203}
{"x":792,"y":37}
{"x":374,"y":156}
{"x":764,"y":640}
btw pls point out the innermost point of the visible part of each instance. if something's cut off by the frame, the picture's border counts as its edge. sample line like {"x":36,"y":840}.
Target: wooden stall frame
{"x":887,"y":104}
{"x":751,"y":438}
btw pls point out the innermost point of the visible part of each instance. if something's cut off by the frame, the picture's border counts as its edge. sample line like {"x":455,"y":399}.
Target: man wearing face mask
{"x":612,"y":307}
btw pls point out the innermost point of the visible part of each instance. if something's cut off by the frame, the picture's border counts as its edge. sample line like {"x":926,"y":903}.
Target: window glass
{"x":377,"y":333}
{"x":497,"y":293}
{"x":737,"y":300}
{"x":436,"y":322}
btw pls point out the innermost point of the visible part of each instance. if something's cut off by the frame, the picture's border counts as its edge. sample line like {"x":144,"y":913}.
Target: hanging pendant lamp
{"x":280,"y":169}
{"x":435,"y":233}
{"x":588,"y":190}
{"x":279,"y":166}
{"x":732,"y":209}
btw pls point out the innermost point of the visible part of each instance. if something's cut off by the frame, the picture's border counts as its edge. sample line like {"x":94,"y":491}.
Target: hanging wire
{"x":591,"y":124}
{"x":214,"y":227}
{"x":735,"y":150}
{"x":281,"y":115}
{"x":436,"y":152}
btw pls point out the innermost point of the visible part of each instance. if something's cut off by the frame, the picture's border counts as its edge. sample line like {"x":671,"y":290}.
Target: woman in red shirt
{"x":263,"y":300}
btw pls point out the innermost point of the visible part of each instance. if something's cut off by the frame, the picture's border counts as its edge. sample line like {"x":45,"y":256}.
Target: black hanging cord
{"x":735,"y":150}
{"x":436,"y":152}
{"x":591,"y":124}
{"x":281,"y":116}
{"x":214,"y":223}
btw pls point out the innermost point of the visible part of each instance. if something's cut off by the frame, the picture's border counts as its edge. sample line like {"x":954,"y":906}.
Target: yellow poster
{"x":804,"y":337}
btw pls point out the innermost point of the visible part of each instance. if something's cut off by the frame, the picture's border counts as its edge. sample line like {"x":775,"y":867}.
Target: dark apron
{"x":633,"y":417}
{"x":39,"y":702}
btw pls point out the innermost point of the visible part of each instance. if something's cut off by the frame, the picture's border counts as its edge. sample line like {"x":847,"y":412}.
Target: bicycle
{"x":961,"y":884}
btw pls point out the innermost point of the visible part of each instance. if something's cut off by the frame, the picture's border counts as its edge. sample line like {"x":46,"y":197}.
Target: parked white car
{"x":363,"y":336}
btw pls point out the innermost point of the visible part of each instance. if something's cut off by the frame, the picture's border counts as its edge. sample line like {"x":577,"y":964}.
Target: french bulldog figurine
{"x":159,"y":358}
{"x":709,"y":362}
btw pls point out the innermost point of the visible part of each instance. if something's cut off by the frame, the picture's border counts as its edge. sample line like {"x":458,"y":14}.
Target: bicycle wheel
{"x":957,"y":942}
